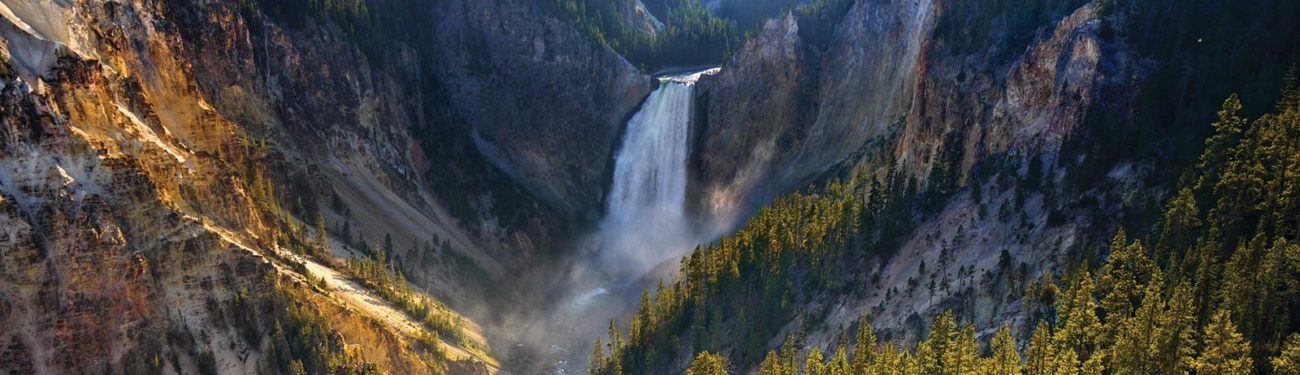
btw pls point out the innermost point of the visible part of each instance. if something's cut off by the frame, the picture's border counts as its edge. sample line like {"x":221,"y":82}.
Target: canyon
{"x":489,"y":186}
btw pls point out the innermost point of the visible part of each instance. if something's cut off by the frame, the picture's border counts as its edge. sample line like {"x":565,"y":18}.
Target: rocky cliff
{"x":163,"y":159}
{"x":901,"y":84}
{"x":529,"y":89}
{"x":822,"y":98}
{"x":168,"y":166}
{"x":989,"y":114}
{"x":880,"y":85}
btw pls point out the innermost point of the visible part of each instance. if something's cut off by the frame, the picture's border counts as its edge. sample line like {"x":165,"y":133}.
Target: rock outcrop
{"x":545,"y":105}
{"x":746,"y":126}
{"x":888,"y":89}
{"x":880,"y":85}
{"x":812,"y":106}
{"x":1028,"y":107}
{"x":162,"y":158}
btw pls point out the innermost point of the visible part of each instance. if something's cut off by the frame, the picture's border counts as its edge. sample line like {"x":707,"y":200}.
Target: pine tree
{"x":770,"y":365}
{"x":1177,"y":350}
{"x":1065,"y":361}
{"x":1278,"y":288}
{"x":1041,"y":298}
{"x":907,"y":363}
{"x":1005,"y":361}
{"x":1206,"y":282}
{"x":1290,"y":98}
{"x":1241,"y":188}
{"x":1179,"y":227}
{"x":1080,"y":327}
{"x":789,"y":351}
{"x":1241,"y":286}
{"x":615,"y":363}
{"x":1287,"y":362}
{"x":597,"y":359}
{"x":931,"y":353}
{"x":1136,"y":348}
{"x":1227,"y":133}
{"x":321,"y":241}
{"x":646,"y":321}
{"x":886,"y":362}
{"x":296,"y":368}
{"x":1095,"y":364}
{"x":1126,"y":269}
{"x":813,"y":365}
{"x":866,"y":346}
{"x":1226,"y":352}
{"x":1039,"y":357}
{"x":707,"y":364}
{"x":279,"y":347}
{"x":961,"y":356}
{"x":839,"y":364}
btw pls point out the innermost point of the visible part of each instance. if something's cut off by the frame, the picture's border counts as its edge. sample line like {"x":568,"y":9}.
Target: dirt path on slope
{"x":364,"y":300}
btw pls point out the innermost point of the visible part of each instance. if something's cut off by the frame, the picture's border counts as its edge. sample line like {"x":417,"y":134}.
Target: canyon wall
{"x":1019,"y":137}
{"x":802,"y":97}
{"x":163,"y":158}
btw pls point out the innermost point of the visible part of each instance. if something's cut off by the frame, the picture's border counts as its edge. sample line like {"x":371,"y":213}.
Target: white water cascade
{"x":646,"y":222}
{"x":645,"y":226}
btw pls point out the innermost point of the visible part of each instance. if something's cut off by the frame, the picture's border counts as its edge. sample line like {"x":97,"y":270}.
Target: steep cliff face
{"x":880,"y":84}
{"x":853,"y":83}
{"x":638,"y":17}
{"x":162,"y":160}
{"x":529,"y":89}
{"x":1027,"y":106}
{"x":744,"y":127}
{"x":899,"y":91}
{"x":106,"y":270}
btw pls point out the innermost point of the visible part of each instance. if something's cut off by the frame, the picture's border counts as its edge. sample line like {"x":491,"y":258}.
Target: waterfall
{"x":646,"y":222}
{"x":650,"y":171}
{"x":645,"y":225}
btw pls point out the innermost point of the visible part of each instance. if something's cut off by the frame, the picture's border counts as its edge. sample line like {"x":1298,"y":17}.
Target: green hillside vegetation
{"x":756,"y":278}
{"x":1212,"y":289}
{"x":377,"y":274}
{"x":377,"y":22}
{"x":1208,"y":50}
{"x":302,"y":339}
{"x":323,"y":351}
{"x":691,"y":35}
{"x":750,"y":14}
